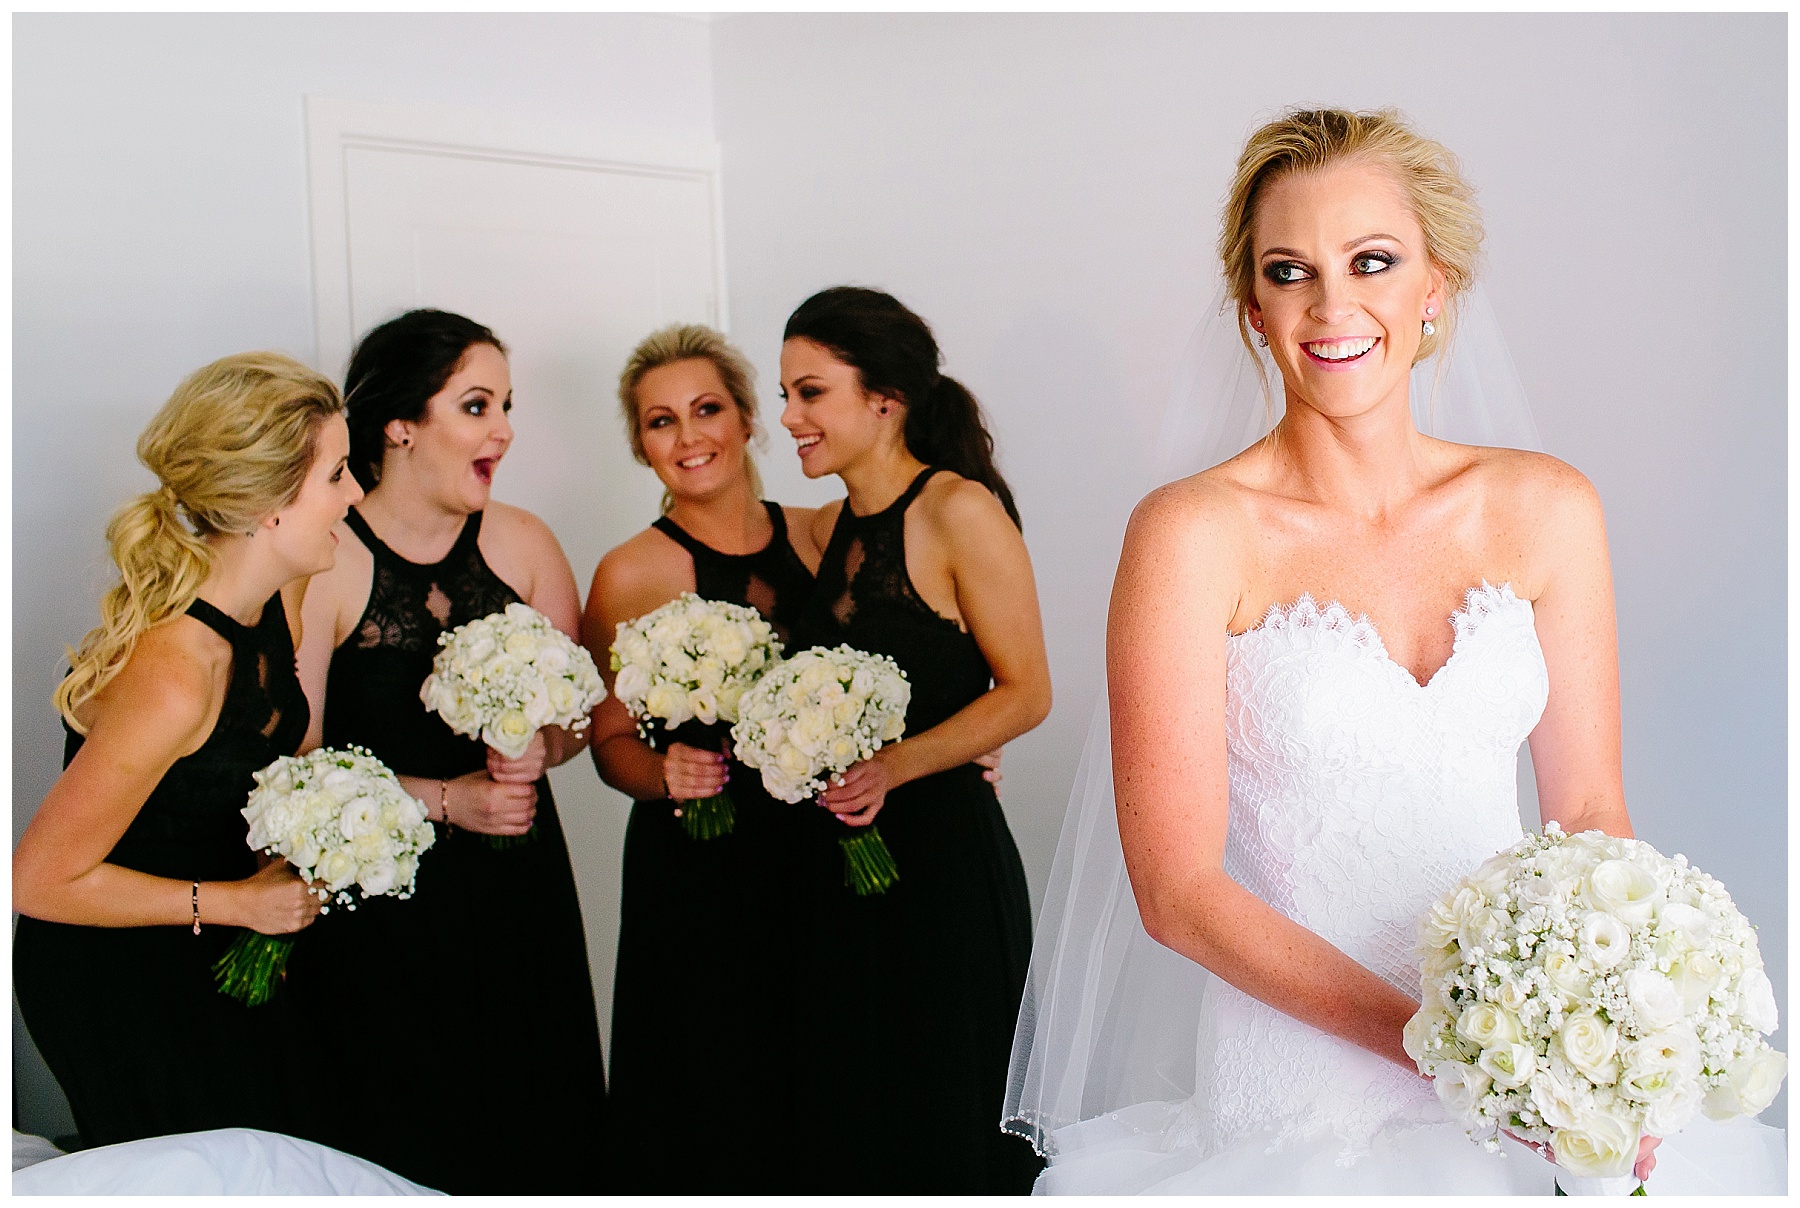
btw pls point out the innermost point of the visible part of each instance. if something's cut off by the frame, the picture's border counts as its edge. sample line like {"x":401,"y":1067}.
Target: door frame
{"x":335,"y":127}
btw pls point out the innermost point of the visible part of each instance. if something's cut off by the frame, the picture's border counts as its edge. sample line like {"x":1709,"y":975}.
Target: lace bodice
{"x":372,"y":693}
{"x":1358,"y":796}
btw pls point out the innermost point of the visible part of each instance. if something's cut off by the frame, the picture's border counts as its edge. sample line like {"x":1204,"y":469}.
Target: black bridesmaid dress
{"x":129,"y":1019}
{"x":909,"y":998}
{"x":464,"y":1016}
{"x":701,"y":1085}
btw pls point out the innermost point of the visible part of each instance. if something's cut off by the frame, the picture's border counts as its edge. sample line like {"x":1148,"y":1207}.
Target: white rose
{"x":794,"y":763}
{"x":1440,"y":961}
{"x":1653,"y":999}
{"x":1509,"y":1065}
{"x":1491,"y":878}
{"x":1461,"y":1086}
{"x":668,"y":702}
{"x":846,"y":711}
{"x":810,"y":731}
{"x":1443,"y":923}
{"x":378,"y":876}
{"x":1513,"y":995}
{"x":1751,"y":1083}
{"x":1756,"y":1001}
{"x":405,"y":869}
{"x":1677,"y":1048}
{"x":509,"y":734}
{"x":895,"y":728}
{"x":368,"y":846}
{"x":731,"y":694}
{"x":1697,"y":977}
{"x":841,"y":752}
{"x":1602,"y":1146}
{"x":1627,"y":891}
{"x":1589,"y":1044}
{"x":424,"y":836}
{"x":552,"y":658}
{"x":1565,"y":974}
{"x":1604,"y":940}
{"x":1487,"y":1025}
{"x":410,"y":811}
{"x":337,"y":869}
{"x":540,"y":710}
{"x":304,"y":857}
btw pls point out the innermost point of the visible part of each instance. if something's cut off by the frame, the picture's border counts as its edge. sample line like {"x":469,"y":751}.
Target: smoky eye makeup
{"x":1372,"y":262}
{"x":1285,"y":272}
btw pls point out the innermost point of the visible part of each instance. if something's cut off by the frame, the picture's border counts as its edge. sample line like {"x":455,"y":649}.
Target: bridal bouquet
{"x":504,"y":677}
{"x":342,"y":820}
{"x":1584,"y":991}
{"x":692,"y":659}
{"x":815,"y":715}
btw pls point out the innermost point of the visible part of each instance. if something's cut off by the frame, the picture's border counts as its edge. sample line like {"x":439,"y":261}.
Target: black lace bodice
{"x":191,"y":827}
{"x":373,"y":688}
{"x":864,"y":596}
{"x":772,"y":580}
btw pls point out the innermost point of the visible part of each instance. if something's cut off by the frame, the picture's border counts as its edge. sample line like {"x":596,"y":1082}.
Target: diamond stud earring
{"x":1430,"y":328}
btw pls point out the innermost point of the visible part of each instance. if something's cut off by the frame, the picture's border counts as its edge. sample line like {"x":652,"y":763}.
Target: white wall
{"x":1045,"y":191}
{"x":160,"y":222}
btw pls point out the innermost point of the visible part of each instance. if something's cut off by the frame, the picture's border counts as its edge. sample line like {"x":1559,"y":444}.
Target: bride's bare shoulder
{"x":1203,"y":514}
{"x":1534,"y":486}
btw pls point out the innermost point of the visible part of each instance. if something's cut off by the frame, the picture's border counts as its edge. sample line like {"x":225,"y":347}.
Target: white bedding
{"x":226,"y":1161}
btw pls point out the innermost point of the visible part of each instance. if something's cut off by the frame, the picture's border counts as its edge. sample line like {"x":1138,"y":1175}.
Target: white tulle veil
{"x":1110,"y":1017}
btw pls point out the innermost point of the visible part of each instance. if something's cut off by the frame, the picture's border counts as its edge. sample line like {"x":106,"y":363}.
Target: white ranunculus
{"x":378,"y":876}
{"x":1509,"y":1065}
{"x":1653,"y":998}
{"x":1557,"y":1100}
{"x":1751,"y":1084}
{"x":1589,"y":1044}
{"x":1487,"y":1025}
{"x":1674,"y":1111}
{"x":1756,"y":1001}
{"x":1603,"y":939}
{"x":1601,"y":1146}
{"x":359,"y":817}
{"x":1461,"y":1086}
{"x":1690,"y":925}
{"x":1626,"y":890}
{"x":632,"y":683}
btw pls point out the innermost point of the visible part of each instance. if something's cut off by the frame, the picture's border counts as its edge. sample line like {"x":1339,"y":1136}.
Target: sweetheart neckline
{"x":1465,"y":621}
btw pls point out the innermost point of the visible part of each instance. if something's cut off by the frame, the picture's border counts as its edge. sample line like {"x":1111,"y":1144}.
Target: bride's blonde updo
{"x":232,"y":445}
{"x":1306,"y":140}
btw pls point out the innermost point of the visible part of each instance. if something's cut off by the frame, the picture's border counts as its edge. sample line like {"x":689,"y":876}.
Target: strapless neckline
{"x":1479,"y":603}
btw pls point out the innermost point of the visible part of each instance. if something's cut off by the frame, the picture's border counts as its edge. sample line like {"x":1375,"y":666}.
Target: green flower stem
{"x":707,"y":817}
{"x":511,"y":842}
{"x":253,"y":966}
{"x":868,"y":864}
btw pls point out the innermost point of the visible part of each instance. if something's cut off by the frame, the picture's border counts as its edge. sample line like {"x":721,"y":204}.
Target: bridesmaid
{"x":134,"y":874}
{"x":911,"y":996}
{"x":476,"y":990}
{"x":705,"y":926}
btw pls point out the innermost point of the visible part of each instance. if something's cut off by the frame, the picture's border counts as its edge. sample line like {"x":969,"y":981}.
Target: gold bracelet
{"x":196,"y":908}
{"x":444,"y":804}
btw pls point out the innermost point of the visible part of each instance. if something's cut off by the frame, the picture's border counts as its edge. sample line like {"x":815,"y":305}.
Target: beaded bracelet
{"x":444,"y":804}
{"x":196,"y":908}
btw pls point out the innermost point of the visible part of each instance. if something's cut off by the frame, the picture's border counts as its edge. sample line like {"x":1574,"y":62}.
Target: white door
{"x":571,"y":257}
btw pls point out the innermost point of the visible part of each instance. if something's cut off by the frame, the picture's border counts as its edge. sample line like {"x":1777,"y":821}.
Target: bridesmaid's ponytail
{"x":232,"y":445}
{"x":894,"y":352}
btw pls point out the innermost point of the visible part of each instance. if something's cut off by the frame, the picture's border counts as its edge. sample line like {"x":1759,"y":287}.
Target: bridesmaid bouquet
{"x":503,"y":677}
{"x":1584,"y":991}
{"x":342,"y":820}
{"x":692,"y":659}
{"x":815,"y":715}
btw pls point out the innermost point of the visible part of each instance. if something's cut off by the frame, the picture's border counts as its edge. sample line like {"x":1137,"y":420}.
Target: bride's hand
{"x":861,"y":792}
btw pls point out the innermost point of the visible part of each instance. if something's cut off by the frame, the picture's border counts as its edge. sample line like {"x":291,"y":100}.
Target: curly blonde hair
{"x":690,"y":342}
{"x":1306,"y":140}
{"x":232,"y":444}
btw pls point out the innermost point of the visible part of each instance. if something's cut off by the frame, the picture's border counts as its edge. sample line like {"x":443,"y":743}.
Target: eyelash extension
{"x":1387,"y":258}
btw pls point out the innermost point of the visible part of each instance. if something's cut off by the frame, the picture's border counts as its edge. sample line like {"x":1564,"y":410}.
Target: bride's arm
{"x":1172,"y":601}
{"x":1575,"y":750}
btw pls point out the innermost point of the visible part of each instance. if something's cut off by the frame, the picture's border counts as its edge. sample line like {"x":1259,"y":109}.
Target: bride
{"x":1322,"y":657}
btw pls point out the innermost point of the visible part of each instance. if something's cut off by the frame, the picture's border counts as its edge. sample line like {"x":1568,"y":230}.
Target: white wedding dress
{"x":1358,"y":797}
